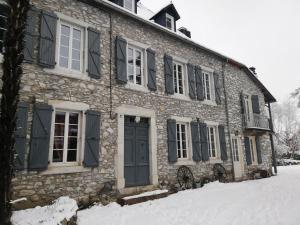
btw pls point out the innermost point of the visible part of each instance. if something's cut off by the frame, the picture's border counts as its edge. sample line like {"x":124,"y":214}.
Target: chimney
{"x":253,"y":69}
{"x":185,"y":31}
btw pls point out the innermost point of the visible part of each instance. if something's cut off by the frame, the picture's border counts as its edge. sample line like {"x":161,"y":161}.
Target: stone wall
{"x":40,"y":85}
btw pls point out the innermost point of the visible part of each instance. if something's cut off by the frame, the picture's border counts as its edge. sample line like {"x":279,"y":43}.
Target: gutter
{"x":100,"y":3}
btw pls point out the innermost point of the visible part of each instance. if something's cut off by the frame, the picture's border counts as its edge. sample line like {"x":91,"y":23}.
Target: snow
{"x":62,"y":208}
{"x":271,"y":201}
{"x":145,"y":194}
{"x":143,"y":11}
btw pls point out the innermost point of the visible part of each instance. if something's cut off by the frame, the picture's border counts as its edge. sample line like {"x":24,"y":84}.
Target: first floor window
{"x":129,"y":4}
{"x":181,"y":137}
{"x":66,"y":137}
{"x":235,"y":149}
{"x":207,"y":79}
{"x":253,"y":152}
{"x":135,"y":65}
{"x":212,"y":141}
{"x":178,"y":78}
{"x":170,"y":22}
{"x":70,"y":47}
{"x":248,"y":108}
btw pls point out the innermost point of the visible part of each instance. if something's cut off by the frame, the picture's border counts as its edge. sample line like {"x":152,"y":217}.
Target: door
{"x":238,"y":159}
{"x":136,"y":151}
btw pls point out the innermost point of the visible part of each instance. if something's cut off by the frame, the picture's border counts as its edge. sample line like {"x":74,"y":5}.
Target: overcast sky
{"x":260,"y":33}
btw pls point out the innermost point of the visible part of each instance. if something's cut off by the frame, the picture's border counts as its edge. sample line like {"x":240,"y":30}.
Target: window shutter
{"x":92,"y":139}
{"x":222,"y":143}
{"x":94,"y":54}
{"x":258,"y":150}
{"x":204,"y":141}
{"x":151,"y":69}
{"x":47,"y":39}
{"x":247,"y":149}
{"x":172,"y":146}
{"x":30,"y":34}
{"x":199,"y":83}
{"x":242,"y":101}
{"x":20,"y":135}
{"x":169,"y":74}
{"x":255,"y":104}
{"x":192,"y":81}
{"x":40,"y":137}
{"x":217,"y":88}
{"x":121,"y":59}
{"x":196,"y":142}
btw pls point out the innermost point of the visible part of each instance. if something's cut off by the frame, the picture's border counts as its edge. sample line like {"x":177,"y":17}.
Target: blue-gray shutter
{"x":47,"y":39}
{"x":204,"y":141}
{"x":222,"y":138}
{"x":217,"y":88}
{"x":30,"y":39}
{"x":255,"y":104}
{"x":92,"y":139}
{"x":168,"y":60}
{"x":196,"y":141}
{"x":121,"y":60}
{"x":20,"y":135}
{"x":247,"y":149}
{"x":94,"y":53}
{"x":151,"y":64}
{"x":40,"y":137}
{"x":192,"y":81}
{"x":172,"y":145}
{"x":199,"y":84}
{"x":258,"y":150}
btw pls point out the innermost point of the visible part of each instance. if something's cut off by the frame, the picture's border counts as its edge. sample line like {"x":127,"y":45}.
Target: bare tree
{"x":12,"y":73}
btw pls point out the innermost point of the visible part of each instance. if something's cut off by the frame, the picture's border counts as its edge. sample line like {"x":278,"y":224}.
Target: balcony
{"x":256,"y":122}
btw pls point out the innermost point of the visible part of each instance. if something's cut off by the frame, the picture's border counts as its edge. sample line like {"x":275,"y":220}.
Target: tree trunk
{"x":12,"y":72}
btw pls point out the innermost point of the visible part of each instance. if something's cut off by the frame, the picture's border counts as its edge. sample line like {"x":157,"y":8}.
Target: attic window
{"x":129,"y":5}
{"x":169,"y":22}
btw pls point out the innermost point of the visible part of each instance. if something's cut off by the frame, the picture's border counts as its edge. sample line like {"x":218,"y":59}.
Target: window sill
{"x":210,"y":102}
{"x":64,"y":169}
{"x":185,"y":162}
{"x":68,"y":73}
{"x":181,"y":97}
{"x":213,"y":161}
{"x":137,"y":87}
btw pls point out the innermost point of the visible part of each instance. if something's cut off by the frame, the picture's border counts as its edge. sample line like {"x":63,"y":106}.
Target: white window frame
{"x":183,"y":66}
{"x":235,"y":148}
{"x":187,"y":127}
{"x":132,"y":9}
{"x":248,"y":107}
{"x":216,"y":141}
{"x":253,"y":150}
{"x":143,"y":73}
{"x":212,"y":92}
{"x":215,"y":125}
{"x":171,"y":18}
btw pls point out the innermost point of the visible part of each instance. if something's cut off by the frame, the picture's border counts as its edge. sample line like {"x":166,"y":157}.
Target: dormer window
{"x":129,"y":5}
{"x":169,"y":22}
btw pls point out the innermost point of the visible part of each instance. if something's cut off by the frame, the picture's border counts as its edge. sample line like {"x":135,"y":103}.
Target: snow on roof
{"x":143,"y":11}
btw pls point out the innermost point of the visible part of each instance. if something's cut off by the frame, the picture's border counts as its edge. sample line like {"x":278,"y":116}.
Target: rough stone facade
{"x":41,"y":85}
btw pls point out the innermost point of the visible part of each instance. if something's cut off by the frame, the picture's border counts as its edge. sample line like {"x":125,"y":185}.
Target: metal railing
{"x":256,"y":121}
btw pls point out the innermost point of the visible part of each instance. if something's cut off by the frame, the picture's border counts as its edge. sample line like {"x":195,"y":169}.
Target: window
{"x":248,"y":107}
{"x":135,"y":71}
{"x":3,"y":24}
{"x":66,"y":136}
{"x":129,"y":5}
{"x":181,"y":137}
{"x":235,"y":149}
{"x":208,"y":86}
{"x":252,"y":143}
{"x":178,"y":78}
{"x":212,"y":141}
{"x":70,"y":49}
{"x":170,"y":22}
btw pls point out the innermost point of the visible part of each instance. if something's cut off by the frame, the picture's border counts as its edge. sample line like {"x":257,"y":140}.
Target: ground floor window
{"x":212,"y":141}
{"x":66,"y":137}
{"x":181,"y":137}
{"x":235,"y":149}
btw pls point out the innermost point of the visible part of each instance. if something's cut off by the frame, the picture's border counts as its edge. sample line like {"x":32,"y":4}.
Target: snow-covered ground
{"x":272,"y":201}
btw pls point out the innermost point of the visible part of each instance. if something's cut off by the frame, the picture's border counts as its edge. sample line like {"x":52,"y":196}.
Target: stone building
{"x":114,"y":95}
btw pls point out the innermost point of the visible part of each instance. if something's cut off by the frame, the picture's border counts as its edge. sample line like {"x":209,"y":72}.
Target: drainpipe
{"x":227,"y":117}
{"x":271,"y":139}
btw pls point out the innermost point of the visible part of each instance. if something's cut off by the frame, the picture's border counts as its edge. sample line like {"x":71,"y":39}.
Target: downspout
{"x":272,"y":140}
{"x":227,"y":116}
{"x":110,"y":69}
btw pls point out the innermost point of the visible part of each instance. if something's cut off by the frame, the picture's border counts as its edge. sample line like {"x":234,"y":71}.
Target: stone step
{"x":143,"y":197}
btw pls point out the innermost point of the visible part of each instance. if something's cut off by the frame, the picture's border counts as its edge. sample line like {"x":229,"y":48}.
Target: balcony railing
{"x":256,"y":121}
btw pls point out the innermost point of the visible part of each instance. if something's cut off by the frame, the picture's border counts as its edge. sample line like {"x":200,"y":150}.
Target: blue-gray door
{"x":136,"y":152}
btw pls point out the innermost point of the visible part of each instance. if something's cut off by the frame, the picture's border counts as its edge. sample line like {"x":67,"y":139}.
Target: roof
{"x":170,"y":8}
{"x":100,"y":3}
